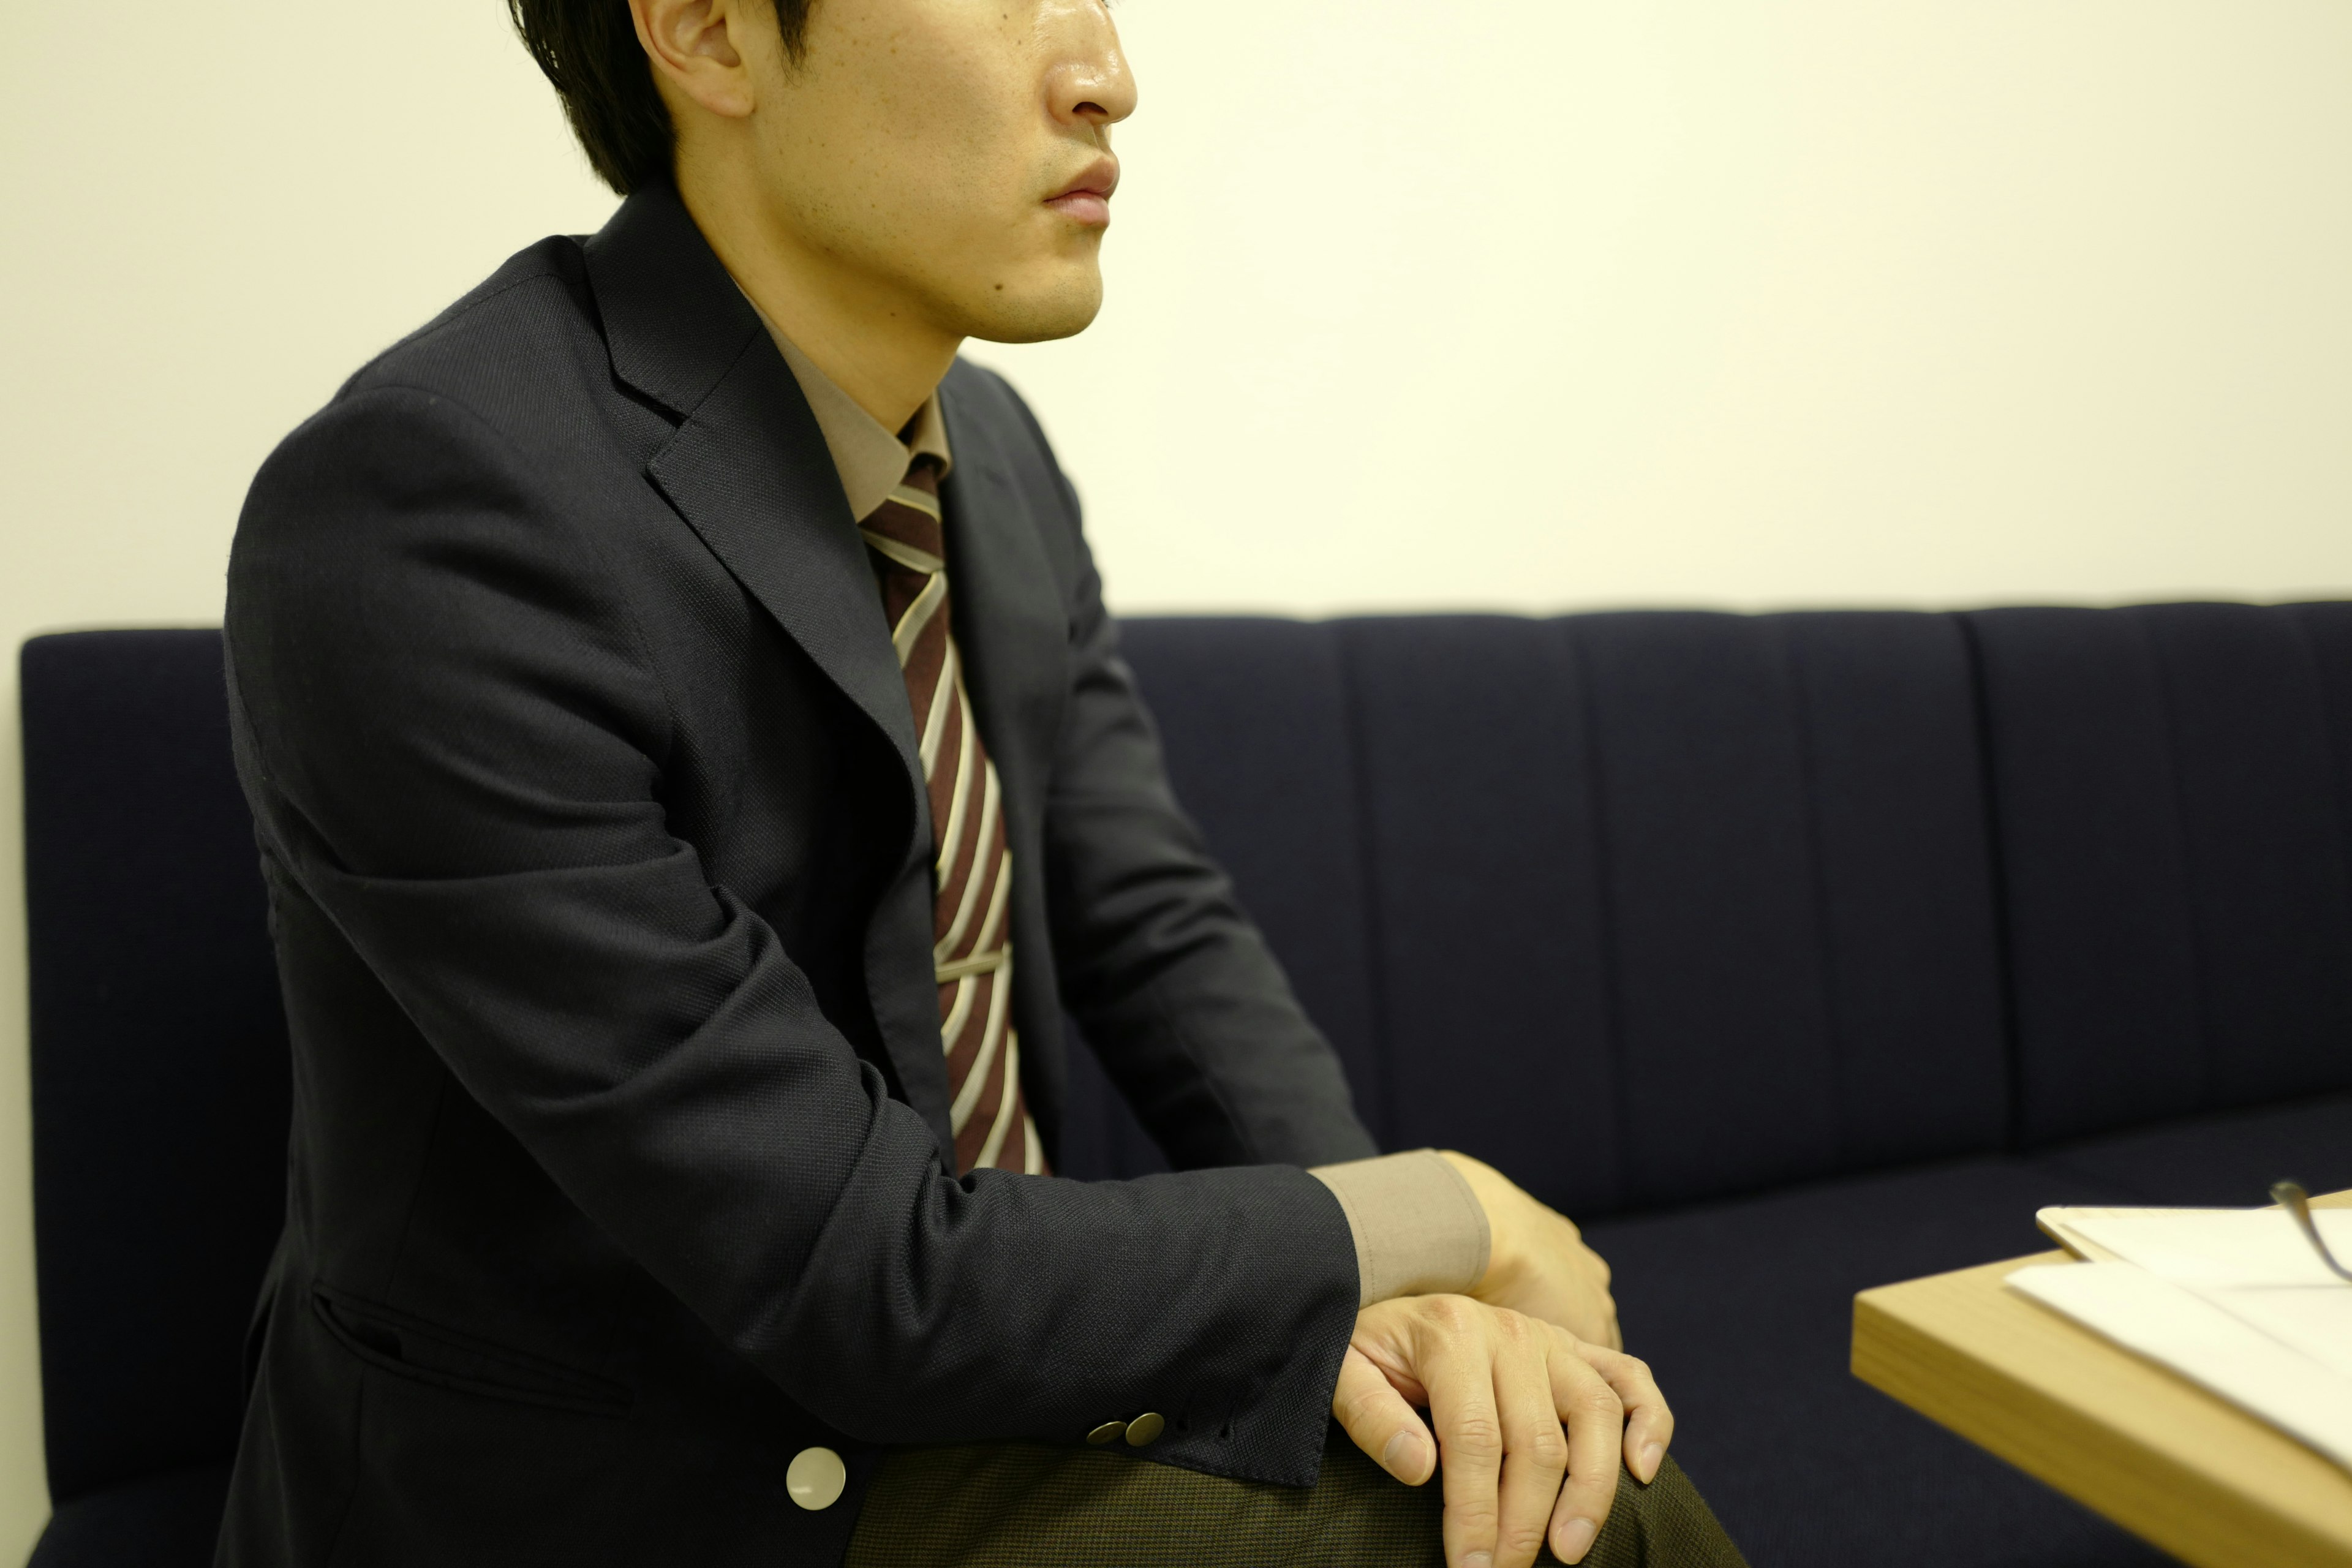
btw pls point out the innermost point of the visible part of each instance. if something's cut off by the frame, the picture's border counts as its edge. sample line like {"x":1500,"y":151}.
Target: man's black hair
{"x":589,"y":50}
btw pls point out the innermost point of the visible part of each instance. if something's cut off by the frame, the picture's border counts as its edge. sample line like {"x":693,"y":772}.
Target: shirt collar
{"x":868,"y":457}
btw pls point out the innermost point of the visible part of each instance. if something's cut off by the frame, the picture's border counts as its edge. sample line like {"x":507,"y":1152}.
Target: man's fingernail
{"x":1479,"y":1560}
{"x":1651,"y":1455}
{"x":1402,"y":1455}
{"x":1576,"y":1539}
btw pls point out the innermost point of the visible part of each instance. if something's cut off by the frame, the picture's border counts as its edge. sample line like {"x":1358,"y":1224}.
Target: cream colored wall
{"x":1529,"y":304}
{"x":1524,"y":304}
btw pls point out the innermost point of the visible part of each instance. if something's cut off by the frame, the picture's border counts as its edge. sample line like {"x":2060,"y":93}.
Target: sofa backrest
{"x":2173,"y":791}
{"x":1734,"y":900}
{"x":1641,"y":906}
{"x":160,"y":1082}
{"x":1645,"y":908}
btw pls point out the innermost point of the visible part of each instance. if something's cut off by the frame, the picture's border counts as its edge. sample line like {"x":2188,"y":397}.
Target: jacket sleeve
{"x":456,"y":747}
{"x":1171,"y":983}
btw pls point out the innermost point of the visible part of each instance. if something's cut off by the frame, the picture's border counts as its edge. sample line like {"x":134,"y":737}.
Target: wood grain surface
{"x":2154,"y":1453}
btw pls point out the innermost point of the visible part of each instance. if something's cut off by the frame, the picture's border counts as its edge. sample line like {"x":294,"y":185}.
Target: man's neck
{"x":861,"y":332}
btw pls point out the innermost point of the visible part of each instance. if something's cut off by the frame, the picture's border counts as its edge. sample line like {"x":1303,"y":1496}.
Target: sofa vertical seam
{"x":1996,"y":847}
{"x":2144,"y":625}
{"x":1804,"y":712}
{"x":1568,"y":651}
{"x":1372,"y":929}
{"x":2337,"y":749}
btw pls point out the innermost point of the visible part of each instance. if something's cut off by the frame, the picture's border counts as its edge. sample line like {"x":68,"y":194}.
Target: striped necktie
{"x":972,"y":951}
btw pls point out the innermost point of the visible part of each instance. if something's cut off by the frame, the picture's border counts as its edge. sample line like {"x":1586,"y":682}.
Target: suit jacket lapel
{"x":748,"y":471}
{"x":748,"y":467}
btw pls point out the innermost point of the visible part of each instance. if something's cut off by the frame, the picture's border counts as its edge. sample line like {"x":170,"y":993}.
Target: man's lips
{"x":1086,"y":198}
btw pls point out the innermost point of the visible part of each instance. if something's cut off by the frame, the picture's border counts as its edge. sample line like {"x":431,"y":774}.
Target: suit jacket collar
{"x":674,"y":321}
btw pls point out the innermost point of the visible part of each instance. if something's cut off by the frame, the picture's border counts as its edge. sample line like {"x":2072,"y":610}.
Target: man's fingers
{"x":1514,"y":1403}
{"x":1535,"y":1450}
{"x":1612,"y":1335}
{"x":1649,"y":1424}
{"x":1589,"y":1409}
{"x":1457,"y":1368}
{"x":1378,"y":1420}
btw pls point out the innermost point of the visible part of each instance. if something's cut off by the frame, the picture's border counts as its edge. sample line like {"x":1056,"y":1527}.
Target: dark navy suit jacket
{"x":590,"y":815}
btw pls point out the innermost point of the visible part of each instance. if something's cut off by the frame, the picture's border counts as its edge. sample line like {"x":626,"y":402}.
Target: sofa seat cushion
{"x":171,"y":1521}
{"x":2221,"y":1162}
{"x":1745,"y":1311}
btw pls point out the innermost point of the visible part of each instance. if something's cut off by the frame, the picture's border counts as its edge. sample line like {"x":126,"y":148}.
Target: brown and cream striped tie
{"x":971,"y":949}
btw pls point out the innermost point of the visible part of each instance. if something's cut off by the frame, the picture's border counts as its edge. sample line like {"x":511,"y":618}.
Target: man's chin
{"x":1062,"y":309}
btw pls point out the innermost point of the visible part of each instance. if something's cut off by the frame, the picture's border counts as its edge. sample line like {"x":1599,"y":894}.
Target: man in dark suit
{"x":651,"y":835}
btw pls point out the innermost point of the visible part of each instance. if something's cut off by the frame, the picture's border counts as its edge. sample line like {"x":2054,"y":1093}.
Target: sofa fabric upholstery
{"x":1745,"y":1311}
{"x":1792,"y":955}
{"x":158,"y":1521}
{"x":1659,"y":871}
{"x":160,"y":1086}
{"x":2173,"y":786}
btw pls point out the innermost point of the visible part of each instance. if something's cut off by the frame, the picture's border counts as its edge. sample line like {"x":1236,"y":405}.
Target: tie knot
{"x":907,"y":526}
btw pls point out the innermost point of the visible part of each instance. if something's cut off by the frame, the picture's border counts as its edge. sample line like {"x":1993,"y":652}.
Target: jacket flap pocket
{"x":413,"y":1347}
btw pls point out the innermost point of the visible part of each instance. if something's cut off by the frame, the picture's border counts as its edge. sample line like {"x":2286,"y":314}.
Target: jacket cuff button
{"x":1144,"y":1428}
{"x":1108,"y":1432}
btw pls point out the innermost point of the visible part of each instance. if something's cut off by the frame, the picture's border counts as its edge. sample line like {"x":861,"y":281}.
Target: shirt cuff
{"x":1419,"y":1228}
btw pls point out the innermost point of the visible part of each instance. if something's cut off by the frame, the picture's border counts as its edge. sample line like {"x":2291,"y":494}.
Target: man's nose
{"x":1089,"y":80}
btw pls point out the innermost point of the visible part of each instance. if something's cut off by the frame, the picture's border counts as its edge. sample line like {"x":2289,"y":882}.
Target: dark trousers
{"x":1021,"y":1505}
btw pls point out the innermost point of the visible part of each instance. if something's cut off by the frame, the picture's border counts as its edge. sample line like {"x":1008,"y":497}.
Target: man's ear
{"x":696,"y":48}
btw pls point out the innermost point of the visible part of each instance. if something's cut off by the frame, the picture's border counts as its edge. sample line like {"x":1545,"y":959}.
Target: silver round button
{"x":816,"y":1477}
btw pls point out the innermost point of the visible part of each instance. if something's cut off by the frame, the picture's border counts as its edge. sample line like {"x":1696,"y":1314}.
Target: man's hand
{"x":1499,"y":1387}
{"x":1538,"y":1263}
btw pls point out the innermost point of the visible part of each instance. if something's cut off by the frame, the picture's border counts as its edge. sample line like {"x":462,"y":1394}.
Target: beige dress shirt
{"x":1418,"y":1227}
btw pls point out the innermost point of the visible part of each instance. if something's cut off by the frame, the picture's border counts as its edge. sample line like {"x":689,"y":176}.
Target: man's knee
{"x":1666,"y":1524}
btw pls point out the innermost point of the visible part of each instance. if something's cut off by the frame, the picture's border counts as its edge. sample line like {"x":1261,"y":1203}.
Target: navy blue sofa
{"x":1792,"y":955}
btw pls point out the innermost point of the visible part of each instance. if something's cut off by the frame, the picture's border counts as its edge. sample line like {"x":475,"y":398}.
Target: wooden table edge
{"x":2148,"y":1491}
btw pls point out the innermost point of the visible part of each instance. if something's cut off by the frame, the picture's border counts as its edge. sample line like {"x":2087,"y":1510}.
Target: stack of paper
{"x":2234,"y":1300}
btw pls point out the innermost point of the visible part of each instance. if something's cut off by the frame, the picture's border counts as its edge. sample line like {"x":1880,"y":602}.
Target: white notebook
{"x":2233,"y":1299}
